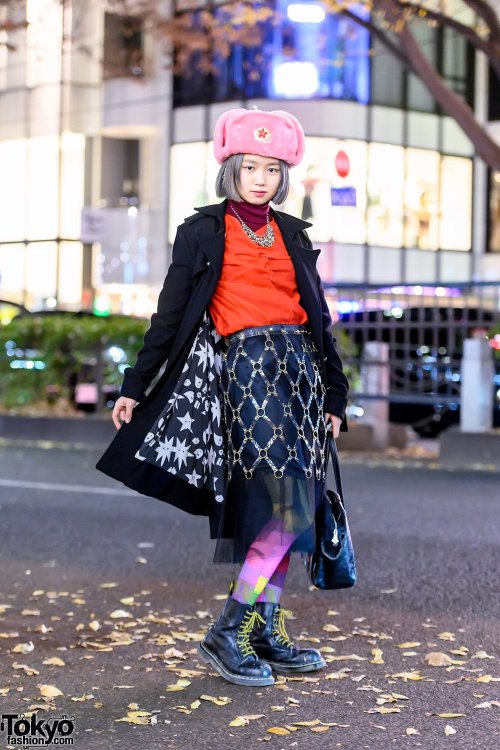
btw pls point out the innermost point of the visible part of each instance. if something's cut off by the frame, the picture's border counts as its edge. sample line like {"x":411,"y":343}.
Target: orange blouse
{"x":257,"y":285}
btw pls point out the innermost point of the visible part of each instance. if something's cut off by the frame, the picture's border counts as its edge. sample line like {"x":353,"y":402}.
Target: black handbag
{"x":332,"y":565}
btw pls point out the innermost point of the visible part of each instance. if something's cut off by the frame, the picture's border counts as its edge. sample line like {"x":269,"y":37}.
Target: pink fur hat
{"x":252,"y":131}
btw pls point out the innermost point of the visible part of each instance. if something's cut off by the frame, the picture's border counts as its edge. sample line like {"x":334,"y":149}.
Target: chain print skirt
{"x":274,"y":423}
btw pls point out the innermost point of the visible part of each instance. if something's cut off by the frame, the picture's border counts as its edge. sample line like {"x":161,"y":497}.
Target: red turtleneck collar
{"x":253,"y":215}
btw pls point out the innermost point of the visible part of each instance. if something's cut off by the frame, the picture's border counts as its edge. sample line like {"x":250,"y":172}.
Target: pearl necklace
{"x":266,"y":240}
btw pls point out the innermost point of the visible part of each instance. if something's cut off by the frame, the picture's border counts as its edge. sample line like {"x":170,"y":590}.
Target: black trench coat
{"x":189,"y":285}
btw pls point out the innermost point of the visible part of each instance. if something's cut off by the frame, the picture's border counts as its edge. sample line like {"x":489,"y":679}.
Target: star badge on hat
{"x":262,"y":134}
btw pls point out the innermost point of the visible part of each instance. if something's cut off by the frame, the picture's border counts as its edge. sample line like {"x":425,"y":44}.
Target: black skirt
{"x":273,"y":418}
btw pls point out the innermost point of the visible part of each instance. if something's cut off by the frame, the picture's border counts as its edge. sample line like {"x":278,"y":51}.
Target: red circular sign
{"x":342,"y":164}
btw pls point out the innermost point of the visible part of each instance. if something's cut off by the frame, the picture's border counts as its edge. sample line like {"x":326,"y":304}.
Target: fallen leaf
{"x":320,"y":729}
{"x":446,"y":636}
{"x":127,"y":600}
{"x":388,"y":591}
{"x":240,"y":721}
{"x":54,"y":661}
{"x":449,"y":715}
{"x":28,"y":670}
{"x":220,"y":701}
{"x":179,"y":685}
{"x":487,"y":678}
{"x":449,"y":730}
{"x":411,"y":730}
{"x":94,"y":625}
{"x":278,"y":730}
{"x":481,"y":655}
{"x":440,"y":659}
{"x":352,"y":657}
{"x":30,"y":612}
{"x":118,"y":614}
{"x":340,"y":675}
{"x":139,"y":717}
{"x":23,"y":648}
{"x":84,"y":697}
{"x":330,"y":628}
{"x":49,"y":691}
{"x":107,"y":585}
{"x":312,"y":723}
{"x":409,"y":644}
{"x":377,"y":656}
{"x":408,"y":676}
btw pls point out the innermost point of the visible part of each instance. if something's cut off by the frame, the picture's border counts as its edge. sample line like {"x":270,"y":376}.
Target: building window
{"x":493,"y":95}
{"x":298,"y":51}
{"x":448,"y":51}
{"x":355,"y":192}
{"x":123,"y":46}
{"x":494,"y":213}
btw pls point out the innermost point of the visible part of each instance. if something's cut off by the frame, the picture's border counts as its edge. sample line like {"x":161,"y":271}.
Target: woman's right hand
{"x":122,"y":410}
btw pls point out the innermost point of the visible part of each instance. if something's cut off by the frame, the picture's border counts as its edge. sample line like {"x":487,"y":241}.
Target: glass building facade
{"x":104,"y":152}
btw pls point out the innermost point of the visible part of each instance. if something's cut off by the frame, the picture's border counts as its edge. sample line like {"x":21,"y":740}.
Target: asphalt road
{"x":428,"y":552}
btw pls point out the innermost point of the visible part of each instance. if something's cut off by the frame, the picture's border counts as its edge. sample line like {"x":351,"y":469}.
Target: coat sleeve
{"x":164,"y":325}
{"x":337,"y":385}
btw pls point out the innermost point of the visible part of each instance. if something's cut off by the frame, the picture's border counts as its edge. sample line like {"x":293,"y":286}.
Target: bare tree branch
{"x":491,"y":48}
{"x":484,"y":144}
{"x":487,"y":13}
{"x":376,"y":31}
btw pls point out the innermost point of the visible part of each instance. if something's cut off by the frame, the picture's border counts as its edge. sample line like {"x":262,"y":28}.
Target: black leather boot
{"x":227,"y":646}
{"x":272,"y":644}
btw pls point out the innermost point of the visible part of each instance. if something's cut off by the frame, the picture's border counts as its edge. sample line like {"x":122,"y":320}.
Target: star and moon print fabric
{"x":187,"y":438}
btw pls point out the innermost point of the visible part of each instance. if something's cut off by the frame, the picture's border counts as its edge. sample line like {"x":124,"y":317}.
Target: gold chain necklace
{"x":266,"y":240}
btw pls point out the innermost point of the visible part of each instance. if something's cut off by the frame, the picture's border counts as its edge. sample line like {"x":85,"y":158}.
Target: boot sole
{"x":211,"y":659}
{"x":282,"y":669}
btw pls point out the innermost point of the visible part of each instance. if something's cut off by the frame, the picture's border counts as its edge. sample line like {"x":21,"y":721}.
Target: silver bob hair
{"x":228,"y":179}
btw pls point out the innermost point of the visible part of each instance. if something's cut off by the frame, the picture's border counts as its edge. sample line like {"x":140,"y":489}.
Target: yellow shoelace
{"x":279,"y":629}
{"x":244,"y":630}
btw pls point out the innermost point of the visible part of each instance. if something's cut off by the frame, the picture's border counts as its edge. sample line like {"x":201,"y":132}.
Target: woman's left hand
{"x":335,"y":422}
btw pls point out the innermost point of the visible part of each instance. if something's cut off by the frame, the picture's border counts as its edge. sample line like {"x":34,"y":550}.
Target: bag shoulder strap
{"x":332,"y":445}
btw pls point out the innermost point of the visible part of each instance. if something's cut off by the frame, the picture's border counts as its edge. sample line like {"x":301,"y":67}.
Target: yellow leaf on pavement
{"x":240,"y":721}
{"x":440,"y":659}
{"x":450,"y":715}
{"x":408,"y":676}
{"x":278,"y":730}
{"x":320,"y":729}
{"x":449,"y":730}
{"x":49,"y":691}
{"x":409,"y":644}
{"x":411,"y":730}
{"x":179,"y":685}
{"x":54,"y":661}
{"x":23,"y":648}
{"x":487,"y":678}
{"x":377,"y":656}
{"x":220,"y":701}
{"x":118,"y":614}
{"x":446,"y":636}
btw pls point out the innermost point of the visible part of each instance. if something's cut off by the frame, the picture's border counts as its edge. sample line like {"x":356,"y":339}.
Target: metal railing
{"x":424,"y":327}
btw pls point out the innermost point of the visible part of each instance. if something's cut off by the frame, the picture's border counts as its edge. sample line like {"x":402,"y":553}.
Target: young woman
{"x":235,"y":428}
